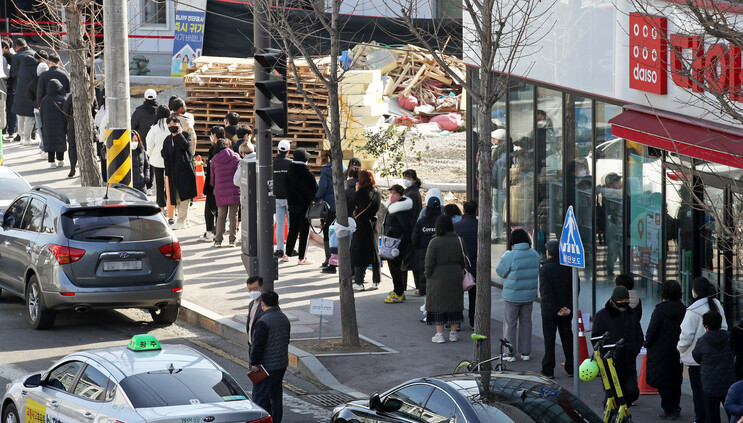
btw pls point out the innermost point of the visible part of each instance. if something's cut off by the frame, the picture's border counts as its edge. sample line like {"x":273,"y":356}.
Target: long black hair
{"x":704,"y":289}
{"x":163,"y":112}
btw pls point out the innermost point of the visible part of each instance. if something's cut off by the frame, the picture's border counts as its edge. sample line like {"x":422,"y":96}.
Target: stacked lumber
{"x":219,"y":85}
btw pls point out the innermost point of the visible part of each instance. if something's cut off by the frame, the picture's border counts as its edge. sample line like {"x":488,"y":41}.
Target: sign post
{"x":320,"y":307}
{"x":573,"y":255}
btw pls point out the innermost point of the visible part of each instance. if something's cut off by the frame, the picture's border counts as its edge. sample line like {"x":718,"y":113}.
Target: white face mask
{"x":407,"y":183}
{"x":581,"y":173}
{"x":254,"y":295}
{"x":541,"y":124}
{"x":134,"y":145}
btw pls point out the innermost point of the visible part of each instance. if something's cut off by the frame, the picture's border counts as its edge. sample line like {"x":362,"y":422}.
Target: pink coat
{"x":222,"y":168}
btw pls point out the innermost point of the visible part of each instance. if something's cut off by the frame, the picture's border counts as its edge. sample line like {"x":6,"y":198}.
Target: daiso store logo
{"x":648,"y":52}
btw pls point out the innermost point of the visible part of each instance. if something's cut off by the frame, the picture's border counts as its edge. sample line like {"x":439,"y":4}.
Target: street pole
{"x":116,"y":57}
{"x":266,"y":207}
{"x":576,"y":353}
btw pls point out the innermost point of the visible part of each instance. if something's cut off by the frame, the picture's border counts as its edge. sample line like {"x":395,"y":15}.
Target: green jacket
{"x":445,"y":263}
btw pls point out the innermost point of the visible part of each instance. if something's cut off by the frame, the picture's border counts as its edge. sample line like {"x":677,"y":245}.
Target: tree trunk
{"x":349,"y":325}
{"x":485,"y":200}
{"x":82,"y":101}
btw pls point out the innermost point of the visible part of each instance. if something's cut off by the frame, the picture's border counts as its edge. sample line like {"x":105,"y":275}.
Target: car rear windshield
{"x":115,"y":224}
{"x":181,"y":387}
{"x":12,"y":187}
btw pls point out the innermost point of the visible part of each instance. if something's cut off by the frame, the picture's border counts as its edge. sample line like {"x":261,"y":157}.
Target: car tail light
{"x":266,"y":419}
{"x":66,"y":255}
{"x":172,"y":251}
{"x":67,"y":294}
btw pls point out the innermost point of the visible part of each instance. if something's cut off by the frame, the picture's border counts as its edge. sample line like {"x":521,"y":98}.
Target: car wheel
{"x":11,"y":414}
{"x":39,"y":316}
{"x":165,"y":316}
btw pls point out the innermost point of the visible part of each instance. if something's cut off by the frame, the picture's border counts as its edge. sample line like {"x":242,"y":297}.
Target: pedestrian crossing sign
{"x":572,"y":253}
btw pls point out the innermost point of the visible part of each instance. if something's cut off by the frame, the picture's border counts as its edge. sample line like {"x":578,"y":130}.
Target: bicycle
{"x":476,"y":367}
{"x":616,"y":409}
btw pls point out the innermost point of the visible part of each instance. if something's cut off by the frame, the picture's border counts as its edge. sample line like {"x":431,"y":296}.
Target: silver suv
{"x":89,"y":248}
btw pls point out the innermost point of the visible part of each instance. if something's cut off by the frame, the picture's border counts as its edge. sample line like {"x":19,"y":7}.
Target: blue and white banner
{"x":188,"y":38}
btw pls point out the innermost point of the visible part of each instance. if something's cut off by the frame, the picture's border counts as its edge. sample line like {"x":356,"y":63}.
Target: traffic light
{"x":273,"y":62}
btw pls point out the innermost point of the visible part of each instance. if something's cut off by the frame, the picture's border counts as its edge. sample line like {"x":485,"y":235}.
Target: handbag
{"x":317,"y":210}
{"x":389,"y":248}
{"x":468,"y":281}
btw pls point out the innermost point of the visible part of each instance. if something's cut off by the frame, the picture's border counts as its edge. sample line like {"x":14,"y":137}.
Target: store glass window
{"x":579,"y":183}
{"x":679,"y":223}
{"x":521,"y":119}
{"x":645,"y":195}
{"x":498,"y":233}
{"x":549,"y":155}
{"x":155,"y":12}
{"x":608,"y":159}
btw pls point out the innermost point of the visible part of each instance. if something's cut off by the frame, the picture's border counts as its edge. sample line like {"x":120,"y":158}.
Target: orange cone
{"x":286,"y":230}
{"x":645,"y":389}
{"x":200,"y":179}
{"x":582,"y":344}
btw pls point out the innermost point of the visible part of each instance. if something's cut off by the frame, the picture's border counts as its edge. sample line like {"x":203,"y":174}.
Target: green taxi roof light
{"x":144,"y":342}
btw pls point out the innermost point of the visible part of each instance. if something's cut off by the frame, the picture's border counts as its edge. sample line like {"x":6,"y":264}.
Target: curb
{"x":304,"y":362}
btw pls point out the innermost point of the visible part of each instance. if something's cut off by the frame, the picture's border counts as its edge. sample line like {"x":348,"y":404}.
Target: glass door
{"x":711,"y":233}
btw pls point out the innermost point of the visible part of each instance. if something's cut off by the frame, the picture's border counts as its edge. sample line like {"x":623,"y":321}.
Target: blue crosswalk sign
{"x":571,"y":246}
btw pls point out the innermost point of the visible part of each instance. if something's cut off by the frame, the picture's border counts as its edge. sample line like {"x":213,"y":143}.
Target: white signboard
{"x":320,"y":307}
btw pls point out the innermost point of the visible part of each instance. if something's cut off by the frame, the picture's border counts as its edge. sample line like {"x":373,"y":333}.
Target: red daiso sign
{"x":648,"y":50}
{"x":717,"y":67}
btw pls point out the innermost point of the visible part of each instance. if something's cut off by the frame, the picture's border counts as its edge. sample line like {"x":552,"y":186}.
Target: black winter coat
{"x":144,"y":117}
{"x":365,"y":244}
{"x":467,"y":230}
{"x":141,"y":176}
{"x":31,"y":92}
{"x":664,"y":366}
{"x":398,"y":223}
{"x":68,"y":110}
{"x":270,"y":343}
{"x":555,"y":288}
{"x":179,"y":166}
{"x":301,"y":187}
{"x":620,"y":325}
{"x":714,"y":355}
{"x":281,"y":165}
{"x":350,"y":194}
{"x":23,"y":70}
{"x":42,"y":85}
{"x":413,"y":192}
{"x":425,"y":229}
{"x":53,"y":119}
{"x":736,"y":343}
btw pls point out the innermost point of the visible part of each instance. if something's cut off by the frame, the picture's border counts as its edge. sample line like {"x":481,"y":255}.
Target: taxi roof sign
{"x":144,"y":342}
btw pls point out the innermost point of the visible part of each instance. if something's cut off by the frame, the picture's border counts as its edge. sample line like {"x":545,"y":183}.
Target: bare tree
{"x":496,"y":35}
{"x":74,"y":30}
{"x":292,"y":30}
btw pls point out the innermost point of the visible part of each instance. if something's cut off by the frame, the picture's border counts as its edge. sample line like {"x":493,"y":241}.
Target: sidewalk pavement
{"x":215,"y":296}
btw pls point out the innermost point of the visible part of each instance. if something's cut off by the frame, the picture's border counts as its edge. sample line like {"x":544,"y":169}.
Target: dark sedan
{"x":470,"y":398}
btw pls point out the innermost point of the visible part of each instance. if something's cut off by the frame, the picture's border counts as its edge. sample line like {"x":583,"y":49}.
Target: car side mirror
{"x":391,"y":404}
{"x":33,"y":381}
{"x":374,"y":401}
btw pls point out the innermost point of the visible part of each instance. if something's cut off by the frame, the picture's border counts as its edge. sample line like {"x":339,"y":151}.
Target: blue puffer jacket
{"x":520,"y":269}
{"x":734,"y":402}
{"x":325,"y":187}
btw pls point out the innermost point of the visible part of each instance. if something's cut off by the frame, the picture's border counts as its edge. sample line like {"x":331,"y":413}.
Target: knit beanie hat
{"x":301,"y":155}
{"x":620,"y":294}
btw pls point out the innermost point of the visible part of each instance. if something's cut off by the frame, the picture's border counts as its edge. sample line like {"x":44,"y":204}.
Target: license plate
{"x":111,"y":266}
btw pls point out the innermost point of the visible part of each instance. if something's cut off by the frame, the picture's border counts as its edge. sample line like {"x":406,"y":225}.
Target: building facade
{"x":600,"y":117}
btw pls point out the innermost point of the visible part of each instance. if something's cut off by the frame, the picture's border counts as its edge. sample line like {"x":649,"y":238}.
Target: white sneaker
{"x":453,"y":337}
{"x":176,"y":226}
{"x":525,"y":357}
{"x":207,"y":237}
{"x":52,"y":165}
{"x":509,"y":358}
{"x":306,"y":260}
{"x":438,"y":338}
{"x":358,"y":287}
{"x":374,"y":287}
{"x":284,"y":259}
{"x":26,"y":142}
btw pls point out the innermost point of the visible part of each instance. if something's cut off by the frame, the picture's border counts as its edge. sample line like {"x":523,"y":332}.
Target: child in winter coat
{"x":141,"y":177}
{"x":715,"y":357}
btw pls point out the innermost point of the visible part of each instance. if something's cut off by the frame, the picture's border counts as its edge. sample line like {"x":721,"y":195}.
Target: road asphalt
{"x":216,"y":298}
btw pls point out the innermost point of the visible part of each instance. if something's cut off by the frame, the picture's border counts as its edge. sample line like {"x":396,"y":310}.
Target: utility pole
{"x":116,"y":57}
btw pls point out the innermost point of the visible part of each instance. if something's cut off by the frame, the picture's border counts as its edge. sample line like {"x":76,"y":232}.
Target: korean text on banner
{"x":188,"y":38}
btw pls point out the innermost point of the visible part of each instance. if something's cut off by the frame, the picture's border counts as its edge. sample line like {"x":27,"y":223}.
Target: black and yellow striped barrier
{"x":119,"y":156}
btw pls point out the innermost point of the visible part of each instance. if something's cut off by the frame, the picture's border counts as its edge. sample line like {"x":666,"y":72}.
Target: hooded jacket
{"x":325,"y":186}
{"x":300,"y":187}
{"x":519,"y":268}
{"x":23,"y":71}
{"x":281,"y":165}
{"x":141,"y":177}
{"x":53,"y":119}
{"x":54,"y":72}
{"x":179,"y":167}
{"x":734,"y":402}
{"x":423,"y":232}
{"x":692,"y":329}
{"x":433,"y":192}
{"x":444,"y":264}
{"x":664,"y":367}
{"x":222,"y":168}
{"x":144,"y":116}
{"x":398,"y":223}
{"x":714,"y":355}
{"x":155,"y":138}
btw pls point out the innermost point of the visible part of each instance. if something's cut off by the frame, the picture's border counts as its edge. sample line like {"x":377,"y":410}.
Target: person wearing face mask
{"x":398,"y":223}
{"x":619,"y":320}
{"x":692,"y":328}
{"x":255,"y":289}
{"x":141,"y":177}
{"x":412,"y":185}
{"x":179,"y":168}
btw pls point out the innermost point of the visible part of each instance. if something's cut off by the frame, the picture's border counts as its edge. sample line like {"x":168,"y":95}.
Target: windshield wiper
{"x":106,"y":237}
